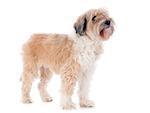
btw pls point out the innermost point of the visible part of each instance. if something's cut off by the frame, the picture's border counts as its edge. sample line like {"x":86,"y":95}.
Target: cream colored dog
{"x":71,"y":56}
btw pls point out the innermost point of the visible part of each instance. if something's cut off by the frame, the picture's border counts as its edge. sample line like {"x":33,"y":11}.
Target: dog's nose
{"x":107,"y":22}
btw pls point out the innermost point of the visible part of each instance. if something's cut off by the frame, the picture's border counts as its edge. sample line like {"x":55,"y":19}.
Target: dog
{"x":71,"y":56}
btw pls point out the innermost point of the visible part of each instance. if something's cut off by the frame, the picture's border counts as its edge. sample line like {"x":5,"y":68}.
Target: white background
{"x":121,"y":83}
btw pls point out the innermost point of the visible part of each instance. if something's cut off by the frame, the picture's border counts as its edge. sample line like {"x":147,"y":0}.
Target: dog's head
{"x":95,"y":23}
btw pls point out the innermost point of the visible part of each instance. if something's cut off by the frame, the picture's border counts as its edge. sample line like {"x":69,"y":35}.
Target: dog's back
{"x":50,"y":50}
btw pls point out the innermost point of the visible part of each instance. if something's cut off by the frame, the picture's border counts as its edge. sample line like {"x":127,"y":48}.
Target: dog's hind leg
{"x":46,"y":75}
{"x":29,"y":73}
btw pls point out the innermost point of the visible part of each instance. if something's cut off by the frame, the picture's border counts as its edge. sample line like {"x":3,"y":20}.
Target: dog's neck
{"x":84,"y":44}
{"x":86,"y":39}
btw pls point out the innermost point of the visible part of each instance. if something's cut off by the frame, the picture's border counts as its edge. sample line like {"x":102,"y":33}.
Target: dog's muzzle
{"x":106,"y":29}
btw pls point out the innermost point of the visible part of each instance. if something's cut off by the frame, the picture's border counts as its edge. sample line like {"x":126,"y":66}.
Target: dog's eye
{"x":93,"y":18}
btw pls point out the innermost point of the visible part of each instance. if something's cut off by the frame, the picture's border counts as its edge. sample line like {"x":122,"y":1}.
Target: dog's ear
{"x":80,"y":25}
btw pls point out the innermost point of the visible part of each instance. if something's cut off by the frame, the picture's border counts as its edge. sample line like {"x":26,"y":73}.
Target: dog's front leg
{"x":84,"y":83}
{"x":69,"y":75}
{"x":67,"y":88}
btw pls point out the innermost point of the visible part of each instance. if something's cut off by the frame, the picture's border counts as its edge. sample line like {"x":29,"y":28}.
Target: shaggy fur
{"x":70,"y":56}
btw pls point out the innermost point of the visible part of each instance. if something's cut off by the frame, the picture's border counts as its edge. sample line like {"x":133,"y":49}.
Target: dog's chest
{"x":87,"y":52}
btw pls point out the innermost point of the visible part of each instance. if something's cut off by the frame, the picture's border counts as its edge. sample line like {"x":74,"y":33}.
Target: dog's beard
{"x":106,"y":32}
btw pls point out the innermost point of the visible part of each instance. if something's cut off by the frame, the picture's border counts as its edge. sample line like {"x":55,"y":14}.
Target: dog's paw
{"x":69,"y":106}
{"x":27,"y":101}
{"x":47,"y":99}
{"x":87,"y":103}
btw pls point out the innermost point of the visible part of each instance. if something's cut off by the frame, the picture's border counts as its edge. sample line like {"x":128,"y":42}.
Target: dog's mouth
{"x":106,"y":29}
{"x":106,"y":32}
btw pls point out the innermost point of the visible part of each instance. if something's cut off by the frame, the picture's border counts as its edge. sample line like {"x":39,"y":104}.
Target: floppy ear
{"x":80,"y":25}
